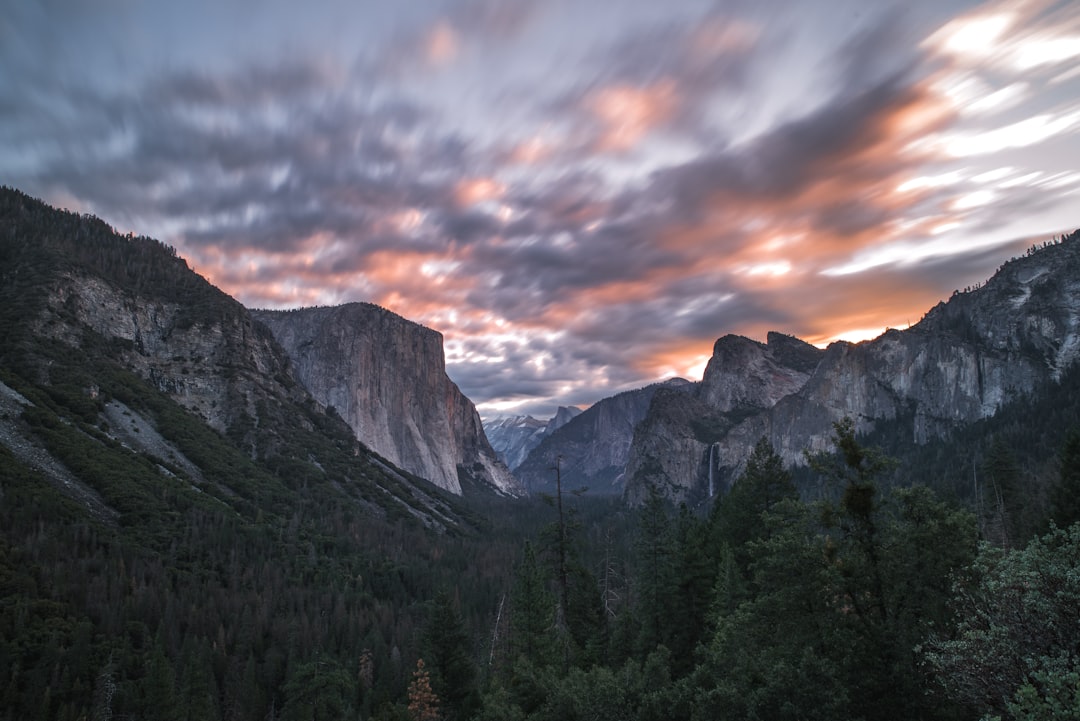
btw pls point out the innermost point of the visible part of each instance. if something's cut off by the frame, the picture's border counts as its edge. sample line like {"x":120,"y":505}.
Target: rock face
{"x":965,"y":359}
{"x":514,"y":437}
{"x":220,"y":365}
{"x":745,"y":374}
{"x":115,"y":329}
{"x":594,"y":447}
{"x":386,"y":377}
{"x":742,"y":379}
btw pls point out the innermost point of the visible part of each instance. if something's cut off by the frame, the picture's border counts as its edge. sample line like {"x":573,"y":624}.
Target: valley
{"x":212,"y":512}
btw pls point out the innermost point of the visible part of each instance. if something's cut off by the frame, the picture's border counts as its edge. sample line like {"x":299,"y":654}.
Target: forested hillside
{"x":865,"y":604}
{"x":156,"y":565}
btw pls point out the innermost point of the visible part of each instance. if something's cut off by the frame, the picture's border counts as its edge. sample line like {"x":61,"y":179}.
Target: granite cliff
{"x":138,"y":359}
{"x":743,"y":379}
{"x":386,"y":377}
{"x":965,"y":359}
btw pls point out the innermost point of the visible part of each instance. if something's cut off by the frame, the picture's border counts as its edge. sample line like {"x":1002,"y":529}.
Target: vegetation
{"x":292,"y":576}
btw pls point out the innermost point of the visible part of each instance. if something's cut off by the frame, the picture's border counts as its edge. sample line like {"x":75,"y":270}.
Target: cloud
{"x":590,"y":230}
{"x":465,"y":26}
{"x":657,"y":79}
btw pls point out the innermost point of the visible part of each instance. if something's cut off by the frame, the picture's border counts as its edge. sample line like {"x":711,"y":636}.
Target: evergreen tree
{"x":585,"y":619}
{"x":317,"y":690}
{"x":450,"y":660}
{"x":1004,"y":516}
{"x":423,"y":702}
{"x":655,"y":556}
{"x":1014,"y":653}
{"x":198,"y":687}
{"x":737,"y":519}
{"x":695,"y":577}
{"x":159,"y":685}
{"x":532,"y":611}
{"x":843,"y":591}
{"x":1065,"y":493}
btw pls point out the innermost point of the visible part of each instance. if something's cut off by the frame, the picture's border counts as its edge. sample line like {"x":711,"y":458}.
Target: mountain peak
{"x":386,"y":376}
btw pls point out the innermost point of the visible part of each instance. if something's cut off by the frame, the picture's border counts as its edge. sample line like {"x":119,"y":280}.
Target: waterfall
{"x":712,"y":470}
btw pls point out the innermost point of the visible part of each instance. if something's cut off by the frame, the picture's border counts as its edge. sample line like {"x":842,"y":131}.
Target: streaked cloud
{"x":581,"y":199}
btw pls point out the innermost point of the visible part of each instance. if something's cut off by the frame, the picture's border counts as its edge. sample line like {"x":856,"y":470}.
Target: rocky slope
{"x":514,"y":437}
{"x":116,"y":352}
{"x":965,"y":359}
{"x":593,"y":447}
{"x":70,"y":282}
{"x":742,"y":379}
{"x":386,"y":376}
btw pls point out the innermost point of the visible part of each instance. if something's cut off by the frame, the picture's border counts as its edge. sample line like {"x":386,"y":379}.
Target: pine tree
{"x":694,"y":577}
{"x":655,"y":554}
{"x":1065,"y":494}
{"x":423,"y":703}
{"x":532,"y":606}
{"x":738,"y":518}
{"x":453,"y":670}
{"x":1004,"y":522}
{"x":159,"y":685}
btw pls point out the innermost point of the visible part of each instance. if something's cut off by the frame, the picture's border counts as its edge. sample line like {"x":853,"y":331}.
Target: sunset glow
{"x":580,"y":198}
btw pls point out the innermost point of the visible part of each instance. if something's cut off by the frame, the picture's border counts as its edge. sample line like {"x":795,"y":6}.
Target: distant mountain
{"x":513,"y":437}
{"x":386,"y":376}
{"x":964,"y":360}
{"x":593,"y":448}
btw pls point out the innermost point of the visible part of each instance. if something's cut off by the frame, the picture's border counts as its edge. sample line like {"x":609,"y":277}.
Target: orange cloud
{"x":533,"y":151}
{"x":719,"y":36}
{"x":845,"y":200}
{"x":477,"y":190}
{"x":442,"y":44}
{"x":628,"y":113}
{"x":685,"y":359}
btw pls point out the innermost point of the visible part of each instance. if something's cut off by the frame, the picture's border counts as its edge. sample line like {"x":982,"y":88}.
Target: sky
{"x":580,"y":196}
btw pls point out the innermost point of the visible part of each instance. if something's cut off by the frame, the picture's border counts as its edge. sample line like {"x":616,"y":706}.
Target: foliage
{"x":423,"y":702}
{"x":293,"y":577}
{"x":1065,"y":493}
{"x":1015,"y":650}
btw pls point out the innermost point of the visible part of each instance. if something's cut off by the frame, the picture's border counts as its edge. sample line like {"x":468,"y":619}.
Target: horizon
{"x":580,"y":200}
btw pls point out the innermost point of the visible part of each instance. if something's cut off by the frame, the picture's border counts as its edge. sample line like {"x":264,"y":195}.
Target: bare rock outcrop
{"x":386,"y":377}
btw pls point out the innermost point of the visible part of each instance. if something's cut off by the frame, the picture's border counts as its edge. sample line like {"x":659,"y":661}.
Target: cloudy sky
{"x":581,"y":196}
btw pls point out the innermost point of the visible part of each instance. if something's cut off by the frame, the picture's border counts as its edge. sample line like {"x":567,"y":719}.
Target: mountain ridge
{"x":966,"y":358}
{"x":90,"y":315}
{"x":514,"y":437}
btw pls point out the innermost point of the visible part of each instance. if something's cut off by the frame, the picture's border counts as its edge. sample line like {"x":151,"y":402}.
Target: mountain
{"x":116,"y":350}
{"x":593,"y":448}
{"x":513,"y":437}
{"x":386,"y":376}
{"x":184,"y":530}
{"x":968,"y":357}
{"x":742,"y":379}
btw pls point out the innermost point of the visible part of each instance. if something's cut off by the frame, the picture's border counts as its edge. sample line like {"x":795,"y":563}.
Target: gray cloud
{"x":321,"y":169}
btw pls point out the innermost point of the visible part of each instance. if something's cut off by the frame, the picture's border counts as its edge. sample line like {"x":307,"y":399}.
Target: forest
{"x":294,"y":578}
{"x":861,"y":600}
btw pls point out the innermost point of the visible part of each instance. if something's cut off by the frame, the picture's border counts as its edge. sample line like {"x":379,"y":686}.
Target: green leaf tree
{"x":1014,"y":653}
{"x":318,"y":689}
{"x":655,"y":578}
